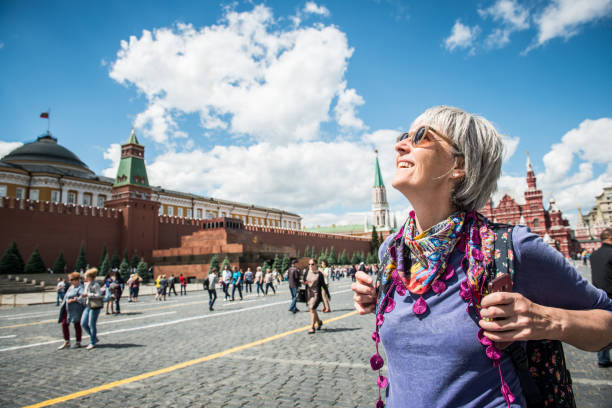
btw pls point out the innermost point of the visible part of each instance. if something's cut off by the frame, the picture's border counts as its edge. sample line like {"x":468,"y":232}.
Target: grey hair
{"x":481,"y":146}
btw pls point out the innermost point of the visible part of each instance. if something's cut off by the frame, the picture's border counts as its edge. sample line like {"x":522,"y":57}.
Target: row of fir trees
{"x":12,"y":263}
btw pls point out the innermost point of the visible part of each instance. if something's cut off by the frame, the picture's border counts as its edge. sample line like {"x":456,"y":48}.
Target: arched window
{"x":536,"y":222}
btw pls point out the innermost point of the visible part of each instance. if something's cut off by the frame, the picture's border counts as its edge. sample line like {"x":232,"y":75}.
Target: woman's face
{"x":424,"y":168}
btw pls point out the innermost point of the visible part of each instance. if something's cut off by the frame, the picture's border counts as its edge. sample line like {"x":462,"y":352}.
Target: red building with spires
{"x":548,"y":223}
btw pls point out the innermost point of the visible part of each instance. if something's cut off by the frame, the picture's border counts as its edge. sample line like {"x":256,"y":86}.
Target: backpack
{"x":206,"y":283}
{"x":540,"y":364}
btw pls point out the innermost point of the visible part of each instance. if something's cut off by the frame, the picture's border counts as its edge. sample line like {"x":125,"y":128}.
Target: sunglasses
{"x":421,"y":138}
{"x":311,"y":264}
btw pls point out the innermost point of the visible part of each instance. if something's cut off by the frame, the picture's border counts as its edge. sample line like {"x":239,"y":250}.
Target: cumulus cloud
{"x":7,"y":147}
{"x":511,"y":15}
{"x":113,"y":153}
{"x":565,"y":18}
{"x":461,"y":36}
{"x":312,"y":8}
{"x":510,"y":145}
{"x":244,"y":75}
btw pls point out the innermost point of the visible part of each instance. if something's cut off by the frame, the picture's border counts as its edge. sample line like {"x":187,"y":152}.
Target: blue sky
{"x":281,"y":103}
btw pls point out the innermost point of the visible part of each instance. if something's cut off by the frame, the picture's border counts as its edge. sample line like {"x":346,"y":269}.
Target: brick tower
{"x":380,"y":207}
{"x":131,"y":194}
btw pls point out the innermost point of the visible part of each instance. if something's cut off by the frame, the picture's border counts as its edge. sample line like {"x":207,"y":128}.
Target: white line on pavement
{"x":135,"y":318}
{"x":588,"y":381}
{"x":10,"y":336}
{"x":161,"y":324}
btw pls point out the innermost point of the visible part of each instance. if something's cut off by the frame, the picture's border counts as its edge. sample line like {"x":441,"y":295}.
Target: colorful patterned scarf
{"x":430,"y":250}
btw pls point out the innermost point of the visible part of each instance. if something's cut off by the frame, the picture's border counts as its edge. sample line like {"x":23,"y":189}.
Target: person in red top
{"x":183,"y":282}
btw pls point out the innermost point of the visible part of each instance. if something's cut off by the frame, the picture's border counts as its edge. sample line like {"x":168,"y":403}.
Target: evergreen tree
{"x":277,"y":263}
{"x":35,"y":263}
{"x":115,"y":260}
{"x":265,"y":267}
{"x":322,"y":257}
{"x":102,"y":258}
{"x":307,"y":251}
{"x":375,"y":243}
{"x":331,"y":258}
{"x":60,"y":264}
{"x":354,"y":259}
{"x":135,"y":260}
{"x":105,"y":267}
{"x":371,"y":259}
{"x":285,"y":264}
{"x":126,"y":257}
{"x":81,"y":262}
{"x":214,"y":262}
{"x":313,"y":253}
{"x":225,"y":263}
{"x":142,"y":269}
{"x":362,"y":256}
{"x":124,"y":270}
{"x":297,"y":254}
{"x":344,"y":259}
{"x":12,"y":262}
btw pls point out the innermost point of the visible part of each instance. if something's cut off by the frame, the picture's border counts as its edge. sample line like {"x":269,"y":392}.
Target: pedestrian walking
{"x":158,"y":287}
{"x":116,"y":288}
{"x":315,"y":285}
{"x":601,"y":273}
{"x":108,"y":296}
{"x":325,"y":270}
{"x":248,"y":280}
{"x":226,"y":282}
{"x":259,"y":281}
{"x":212,"y":280}
{"x":71,"y":310}
{"x":61,"y":290}
{"x":171,"y":288}
{"x":294,"y":284}
{"x":269,"y":281}
{"x":183,"y":282}
{"x":455,"y":289}
{"x":93,"y":305}
{"x":163,"y":285}
{"x":237,"y":279}
{"x":135,"y":287}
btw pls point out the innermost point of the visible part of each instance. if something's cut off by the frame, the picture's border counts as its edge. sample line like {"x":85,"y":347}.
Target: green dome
{"x":46,"y":150}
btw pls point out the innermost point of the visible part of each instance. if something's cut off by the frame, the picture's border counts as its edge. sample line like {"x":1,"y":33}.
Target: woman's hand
{"x":365,"y":294}
{"x":516,"y":318}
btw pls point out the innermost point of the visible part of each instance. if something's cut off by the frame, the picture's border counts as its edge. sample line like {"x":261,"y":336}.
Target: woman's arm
{"x":521,"y":319}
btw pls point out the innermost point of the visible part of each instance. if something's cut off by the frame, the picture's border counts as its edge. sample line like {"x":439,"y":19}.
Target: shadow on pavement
{"x":118,"y":345}
{"x":338,"y":329}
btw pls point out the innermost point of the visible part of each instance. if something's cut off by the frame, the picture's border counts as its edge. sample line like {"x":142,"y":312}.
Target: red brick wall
{"x":172,"y":229}
{"x":57,"y":227}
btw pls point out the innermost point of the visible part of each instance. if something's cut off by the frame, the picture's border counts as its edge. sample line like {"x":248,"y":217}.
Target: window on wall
{"x":536,"y":222}
{"x":161,"y":210}
{"x":55,"y":196}
{"x":101,"y":200}
{"x":170,"y":210}
{"x":223,"y":214}
{"x":34,"y":194}
{"x":20,"y":193}
{"x":72,"y":197}
{"x":199,"y":213}
{"x":2,"y":191}
{"x":179,"y":212}
{"x":189,"y":213}
{"x":86,"y":199}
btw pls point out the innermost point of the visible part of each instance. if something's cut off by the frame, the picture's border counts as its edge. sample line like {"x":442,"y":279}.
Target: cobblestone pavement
{"x":329,"y":368}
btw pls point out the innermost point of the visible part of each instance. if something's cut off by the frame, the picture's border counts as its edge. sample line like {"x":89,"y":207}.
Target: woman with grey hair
{"x":455,"y":290}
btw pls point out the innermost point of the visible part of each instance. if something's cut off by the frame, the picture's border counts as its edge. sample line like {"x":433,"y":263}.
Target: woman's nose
{"x":402,"y":147}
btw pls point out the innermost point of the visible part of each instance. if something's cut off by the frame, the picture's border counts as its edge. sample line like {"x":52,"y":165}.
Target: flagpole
{"x":48,"y":119}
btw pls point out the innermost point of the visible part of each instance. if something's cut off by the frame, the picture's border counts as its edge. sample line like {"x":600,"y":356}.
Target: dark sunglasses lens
{"x":403,"y":137}
{"x":418,"y":136}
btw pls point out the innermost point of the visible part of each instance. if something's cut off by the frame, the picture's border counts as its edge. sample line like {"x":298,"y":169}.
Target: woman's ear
{"x":459,"y":168}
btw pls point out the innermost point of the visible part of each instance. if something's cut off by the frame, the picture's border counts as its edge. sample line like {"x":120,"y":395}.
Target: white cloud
{"x":7,"y":147}
{"x":565,"y":18}
{"x":510,"y":145}
{"x":243,"y":74}
{"x":1,"y":45}
{"x":313,"y":8}
{"x":461,"y":36}
{"x":113,"y":153}
{"x":345,"y":114}
{"x":511,"y":15}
